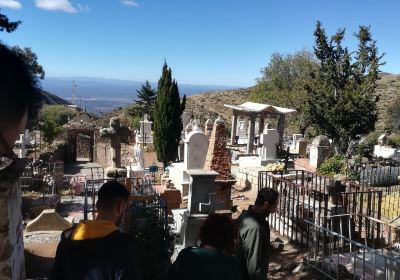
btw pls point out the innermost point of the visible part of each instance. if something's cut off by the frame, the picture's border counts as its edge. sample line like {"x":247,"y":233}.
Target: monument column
{"x":261,"y":125}
{"x":281,"y":128}
{"x":234,"y":127}
{"x":250,"y":136}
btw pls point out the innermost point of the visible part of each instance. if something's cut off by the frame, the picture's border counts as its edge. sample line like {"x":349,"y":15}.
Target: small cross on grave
{"x":212,"y":205}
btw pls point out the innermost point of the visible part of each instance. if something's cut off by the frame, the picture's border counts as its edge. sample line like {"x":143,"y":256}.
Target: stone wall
{"x":12,"y":265}
{"x":83,"y":146}
{"x":103,"y":153}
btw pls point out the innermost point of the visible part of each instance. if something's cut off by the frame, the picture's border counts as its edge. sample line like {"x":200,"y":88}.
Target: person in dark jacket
{"x":253,"y":249}
{"x":213,"y":260}
{"x":97,"y":249}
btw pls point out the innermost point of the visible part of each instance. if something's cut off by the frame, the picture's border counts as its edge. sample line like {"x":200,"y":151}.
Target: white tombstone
{"x":139,"y":156}
{"x":297,"y":137}
{"x":269,"y":139}
{"x":196,"y":147}
{"x":144,"y":135}
{"x":186,"y":117}
{"x":241,"y":131}
{"x":320,"y":150}
{"x":189,"y":127}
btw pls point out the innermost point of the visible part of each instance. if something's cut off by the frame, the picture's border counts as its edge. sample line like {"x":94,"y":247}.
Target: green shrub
{"x":332,"y":166}
{"x":394,"y":140}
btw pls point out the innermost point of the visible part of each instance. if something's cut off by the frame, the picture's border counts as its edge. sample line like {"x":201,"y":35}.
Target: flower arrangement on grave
{"x":275,"y":167}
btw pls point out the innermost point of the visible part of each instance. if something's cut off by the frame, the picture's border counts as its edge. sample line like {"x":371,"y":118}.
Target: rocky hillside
{"x":210,"y":104}
{"x":388,"y":89}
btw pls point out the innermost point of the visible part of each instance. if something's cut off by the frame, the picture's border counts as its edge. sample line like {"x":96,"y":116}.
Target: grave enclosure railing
{"x":353,"y":246}
{"x":307,"y":196}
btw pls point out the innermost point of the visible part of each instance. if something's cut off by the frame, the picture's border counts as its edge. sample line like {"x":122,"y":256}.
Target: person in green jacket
{"x":253,"y":249}
{"x":213,"y":260}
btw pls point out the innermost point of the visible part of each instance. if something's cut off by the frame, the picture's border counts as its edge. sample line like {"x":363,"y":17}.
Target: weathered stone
{"x":48,"y":220}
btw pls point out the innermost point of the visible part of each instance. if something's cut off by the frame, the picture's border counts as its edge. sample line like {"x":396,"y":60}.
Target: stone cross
{"x":117,"y":134}
{"x":212,"y":205}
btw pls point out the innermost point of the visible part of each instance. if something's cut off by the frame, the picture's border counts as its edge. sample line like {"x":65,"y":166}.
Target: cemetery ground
{"x":40,"y":247}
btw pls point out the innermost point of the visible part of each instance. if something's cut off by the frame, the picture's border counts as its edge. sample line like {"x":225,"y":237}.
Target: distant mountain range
{"x":103,"y":95}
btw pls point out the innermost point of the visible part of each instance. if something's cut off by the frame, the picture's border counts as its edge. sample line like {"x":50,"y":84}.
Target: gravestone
{"x":201,"y":202}
{"x":301,"y":147}
{"x":320,"y":150}
{"x":208,"y":127}
{"x":269,"y":139}
{"x":48,"y":220}
{"x":117,"y":134}
{"x":139,"y":156}
{"x":195,"y":151}
{"x":144,"y":136}
{"x":241,"y":132}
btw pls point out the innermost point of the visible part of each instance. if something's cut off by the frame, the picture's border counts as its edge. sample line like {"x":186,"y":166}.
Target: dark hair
{"x":109,"y":193}
{"x":267,"y":195}
{"x":218,"y":231}
{"x":19,"y":91}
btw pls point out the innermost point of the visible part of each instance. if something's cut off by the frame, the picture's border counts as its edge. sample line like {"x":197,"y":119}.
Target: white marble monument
{"x":144,"y":136}
{"x":269,"y":139}
{"x":195,"y":152}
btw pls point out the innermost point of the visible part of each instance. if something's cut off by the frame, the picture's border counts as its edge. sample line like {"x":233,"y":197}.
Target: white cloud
{"x":11,"y":4}
{"x":130,"y":3}
{"x":56,"y":5}
{"x":83,"y":8}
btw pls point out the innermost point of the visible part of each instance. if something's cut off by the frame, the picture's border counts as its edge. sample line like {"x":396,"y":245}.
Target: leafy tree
{"x":283,"y":83}
{"x":341,"y":97}
{"x":50,"y":130}
{"x":392,"y":121}
{"x":60,"y":114}
{"x":31,"y":60}
{"x":51,"y":120}
{"x":7,"y":25}
{"x":167,"y":117}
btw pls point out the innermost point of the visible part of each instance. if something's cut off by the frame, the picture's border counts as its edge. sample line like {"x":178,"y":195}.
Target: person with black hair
{"x":213,"y":260}
{"x":19,"y":102}
{"x":96,"y":249}
{"x":253,"y":249}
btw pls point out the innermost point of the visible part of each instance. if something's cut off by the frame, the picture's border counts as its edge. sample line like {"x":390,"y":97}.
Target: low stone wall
{"x":12,"y":265}
{"x":247,"y":178}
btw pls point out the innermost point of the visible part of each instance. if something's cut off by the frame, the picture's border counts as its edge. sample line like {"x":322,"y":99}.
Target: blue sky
{"x":220,"y":42}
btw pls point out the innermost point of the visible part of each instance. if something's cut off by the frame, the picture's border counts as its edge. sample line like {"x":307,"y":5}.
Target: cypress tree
{"x":167,"y":117}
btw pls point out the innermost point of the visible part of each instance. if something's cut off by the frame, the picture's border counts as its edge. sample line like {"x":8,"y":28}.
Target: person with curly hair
{"x":20,"y":101}
{"x":213,"y":260}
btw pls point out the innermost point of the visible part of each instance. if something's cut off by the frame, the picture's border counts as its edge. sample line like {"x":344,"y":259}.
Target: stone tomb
{"x":117,"y":134}
{"x":195,"y":151}
{"x":144,"y":136}
{"x":320,"y":150}
{"x":269,"y":139}
{"x":201,"y":202}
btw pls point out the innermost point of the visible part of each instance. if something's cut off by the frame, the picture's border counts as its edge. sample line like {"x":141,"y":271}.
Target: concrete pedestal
{"x":190,"y":228}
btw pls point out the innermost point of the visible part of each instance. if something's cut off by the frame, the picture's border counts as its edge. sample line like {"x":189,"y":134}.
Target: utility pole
{"x":73,"y":92}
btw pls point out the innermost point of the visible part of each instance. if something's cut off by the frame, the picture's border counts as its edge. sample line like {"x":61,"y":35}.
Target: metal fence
{"x":353,"y":246}
{"x":379,"y":176}
{"x":305,"y":195}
